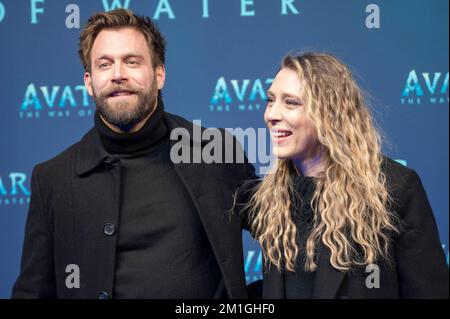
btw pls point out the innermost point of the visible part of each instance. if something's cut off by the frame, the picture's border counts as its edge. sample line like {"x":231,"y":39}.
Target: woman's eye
{"x":292,"y":103}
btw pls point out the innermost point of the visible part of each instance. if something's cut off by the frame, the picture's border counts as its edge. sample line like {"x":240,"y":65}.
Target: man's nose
{"x":119,"y":72}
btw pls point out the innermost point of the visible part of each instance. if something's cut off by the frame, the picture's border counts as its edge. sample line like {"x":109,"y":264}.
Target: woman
{"x":335,"y":218}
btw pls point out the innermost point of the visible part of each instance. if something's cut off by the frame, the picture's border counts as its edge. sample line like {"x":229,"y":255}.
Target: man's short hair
{"x":121,"y":18}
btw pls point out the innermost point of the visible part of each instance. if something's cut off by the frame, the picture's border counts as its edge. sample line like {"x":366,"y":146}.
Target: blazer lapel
{"x":327,"y":279}
{"x":274,"y":287}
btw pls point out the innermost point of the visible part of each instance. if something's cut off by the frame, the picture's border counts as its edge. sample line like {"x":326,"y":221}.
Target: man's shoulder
{"x":232,"y":155}
{"x":63,"y":160}
{"x":176,"y":122}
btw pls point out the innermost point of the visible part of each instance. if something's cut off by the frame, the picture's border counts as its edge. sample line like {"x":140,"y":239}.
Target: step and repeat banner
{"x":221,"y":58}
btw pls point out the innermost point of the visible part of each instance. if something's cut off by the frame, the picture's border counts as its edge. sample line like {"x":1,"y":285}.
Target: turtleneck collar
{"x":304,"y":185}
{"x":136,"y":143}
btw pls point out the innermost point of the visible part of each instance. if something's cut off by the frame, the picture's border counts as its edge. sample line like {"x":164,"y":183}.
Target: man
{"x":113,"y":216}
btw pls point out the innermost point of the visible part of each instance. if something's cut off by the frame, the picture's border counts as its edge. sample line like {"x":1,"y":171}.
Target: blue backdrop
{"x":220,"y":59}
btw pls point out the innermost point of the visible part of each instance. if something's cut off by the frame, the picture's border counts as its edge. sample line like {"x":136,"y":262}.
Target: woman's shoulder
{"x":398,"y":176}
{"x":405,"y":188}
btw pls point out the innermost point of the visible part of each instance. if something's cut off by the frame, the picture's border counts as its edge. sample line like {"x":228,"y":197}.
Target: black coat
{"x":418,"y":268}
{"x":75,"y":199}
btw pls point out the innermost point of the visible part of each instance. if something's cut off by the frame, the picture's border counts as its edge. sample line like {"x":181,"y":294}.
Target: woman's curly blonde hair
{"x":351,"y":200}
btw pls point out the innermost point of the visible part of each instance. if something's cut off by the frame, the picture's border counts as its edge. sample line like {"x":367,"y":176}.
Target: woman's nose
{"x":273,"y":113}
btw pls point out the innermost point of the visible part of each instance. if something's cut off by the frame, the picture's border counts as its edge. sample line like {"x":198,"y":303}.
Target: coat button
{"x":109,"y":229}
{"x":111,"y":161}
{"x":103,"y":295}
{"x":108,"y":164}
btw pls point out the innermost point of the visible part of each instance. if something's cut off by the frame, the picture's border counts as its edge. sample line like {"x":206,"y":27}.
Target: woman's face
{"x":292,"y":133}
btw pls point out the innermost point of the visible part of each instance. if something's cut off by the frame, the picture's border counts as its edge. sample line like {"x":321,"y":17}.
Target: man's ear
{"x":88,"y":83}
{"x":160,"y":73}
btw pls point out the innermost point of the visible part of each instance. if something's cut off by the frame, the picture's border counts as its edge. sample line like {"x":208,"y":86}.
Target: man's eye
{"x":103,"y":65}
{"x":133,"y":62}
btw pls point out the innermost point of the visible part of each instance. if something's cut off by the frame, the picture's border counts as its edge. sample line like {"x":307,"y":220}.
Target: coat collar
{"x":90,"y":153}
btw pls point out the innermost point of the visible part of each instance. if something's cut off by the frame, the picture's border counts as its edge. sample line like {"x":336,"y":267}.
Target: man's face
{"x":122,"y":79}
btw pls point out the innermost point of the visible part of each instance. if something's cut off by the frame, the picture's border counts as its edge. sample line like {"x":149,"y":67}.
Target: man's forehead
{"x":120,"y":37}
{"x":120,"y":42}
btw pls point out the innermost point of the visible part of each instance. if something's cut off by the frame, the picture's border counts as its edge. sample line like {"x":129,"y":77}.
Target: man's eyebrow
{"x":104,"y":57}
{"x":126,"y":56}
{"x":133,"y":55}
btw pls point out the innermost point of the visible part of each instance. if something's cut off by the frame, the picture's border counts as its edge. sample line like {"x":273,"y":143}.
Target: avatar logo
{"x":55,"y":101}
{"x":425,"y":87}
{"x":239,"y":95}
{"x":13,"y":190}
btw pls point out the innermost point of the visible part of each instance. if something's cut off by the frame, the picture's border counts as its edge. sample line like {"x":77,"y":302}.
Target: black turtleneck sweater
{"x":162,"y":248}
{"x":300,"y":284}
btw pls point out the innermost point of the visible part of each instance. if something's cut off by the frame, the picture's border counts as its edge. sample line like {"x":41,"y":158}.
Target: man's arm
{"x":37,"y":276}
{"x":248,"y":184}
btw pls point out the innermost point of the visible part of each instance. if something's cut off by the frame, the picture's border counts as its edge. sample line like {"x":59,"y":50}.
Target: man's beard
{"x":126,"y":114}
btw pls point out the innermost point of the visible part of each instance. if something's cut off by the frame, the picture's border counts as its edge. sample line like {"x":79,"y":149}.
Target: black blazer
{"x":418,"y":268}
{"x":75,"y":195}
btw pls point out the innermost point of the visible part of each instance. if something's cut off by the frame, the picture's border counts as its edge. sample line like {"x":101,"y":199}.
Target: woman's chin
{"x":279,"y":154}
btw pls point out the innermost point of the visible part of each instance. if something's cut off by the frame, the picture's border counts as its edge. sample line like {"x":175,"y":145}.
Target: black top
{"x":162,"y":248}
{"x":300,"y":284}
